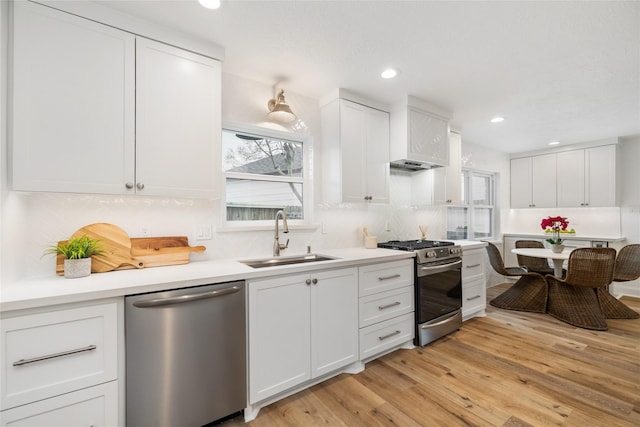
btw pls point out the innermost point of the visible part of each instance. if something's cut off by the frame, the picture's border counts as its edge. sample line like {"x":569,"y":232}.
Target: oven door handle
{"x":426,"y":270}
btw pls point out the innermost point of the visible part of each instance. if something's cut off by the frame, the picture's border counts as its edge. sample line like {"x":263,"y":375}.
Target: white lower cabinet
{"x":94,"y":406}
{"x":386,"y":307}
{"x":474,"y":283}
{"x":300,"y":327}
{"x":59,"y":366}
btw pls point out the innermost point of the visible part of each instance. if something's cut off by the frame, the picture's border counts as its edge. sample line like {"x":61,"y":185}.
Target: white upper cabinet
{"x":73,"y":103}
{"x":419,"y":134}
{"x":97,"y":110}
{"x":587,"y":177}
{"x":355,"y":151}
{"x":533,"y":182}
{"x":630,"y":172}
{"x":178,"y":121}
{"x":447,"y":180}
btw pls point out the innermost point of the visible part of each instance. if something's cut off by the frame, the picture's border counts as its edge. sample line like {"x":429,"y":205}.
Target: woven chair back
{"x":627,"y":264}
{"x":495,"y":258}
{"x":532,"y":263}
{"x":591,"y":267}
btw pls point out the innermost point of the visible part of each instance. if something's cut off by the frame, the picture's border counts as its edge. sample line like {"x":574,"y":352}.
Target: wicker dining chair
{"x":627,"y":268}
{"x":534,"y":264}
{"x":528,"y":293}
{"x":574,"y":299}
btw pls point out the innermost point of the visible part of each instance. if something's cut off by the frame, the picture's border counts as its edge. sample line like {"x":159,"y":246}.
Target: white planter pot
{"x":74,"y":268}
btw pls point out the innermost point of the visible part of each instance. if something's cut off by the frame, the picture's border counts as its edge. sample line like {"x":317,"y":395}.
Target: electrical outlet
{"x":203,"y":232}
{"x":387,"y":227}
{"x":324,"y":228}
{"x":145,"y":230}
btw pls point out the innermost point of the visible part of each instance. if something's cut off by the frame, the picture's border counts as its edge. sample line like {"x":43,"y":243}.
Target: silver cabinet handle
{"x":140,"y":186}
{"x":129,"y":185}
{"x":394,"y":276}
{"x":472,"y":298}
{"x":159,"y":302}
{"x":473,"y":266}
{"x":393,"y":304}
{"x":382,"y":338}
{"x":52,"y":356}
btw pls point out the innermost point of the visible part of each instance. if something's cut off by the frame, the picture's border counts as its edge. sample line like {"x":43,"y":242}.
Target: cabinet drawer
{"x":47,"y":354}
{"x":382,"y":336}
{"x":473,"y":263}
{"x":385,"y":305}
{"x":386,"y":276}
{"x":473,"y":295}
{"x":94,"y":406}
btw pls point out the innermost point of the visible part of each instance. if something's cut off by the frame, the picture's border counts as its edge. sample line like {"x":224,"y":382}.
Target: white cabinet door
{"x":73,"y":103}
{"x":447,"y":180}
{"x":587,"y":177}
{"x":533,"y":182}
{"x":334,"y":320}
{"x":178,"y":121}
{"x":94,"y":406}
{"x":355,"y":153}
{"x":600,"y":172}
{"x":300,"y":327}
{"x":428,"y":137}
{"x":279,"y":335}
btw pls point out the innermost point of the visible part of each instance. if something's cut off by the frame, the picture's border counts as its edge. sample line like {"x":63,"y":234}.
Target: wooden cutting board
{"x":159,"y":251}
{"x":114,"y":242}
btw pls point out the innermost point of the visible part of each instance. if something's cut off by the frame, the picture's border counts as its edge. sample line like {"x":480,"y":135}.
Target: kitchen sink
{"x":276,"y":261}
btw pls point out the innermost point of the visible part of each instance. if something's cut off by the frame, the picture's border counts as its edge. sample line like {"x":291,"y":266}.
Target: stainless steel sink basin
{"x":276,"y":261}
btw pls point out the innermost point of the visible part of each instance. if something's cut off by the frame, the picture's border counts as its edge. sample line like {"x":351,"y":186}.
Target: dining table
{"x":557,"y":258}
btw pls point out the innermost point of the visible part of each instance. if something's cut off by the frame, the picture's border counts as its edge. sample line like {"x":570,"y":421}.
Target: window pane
{"x":457,"y":223}
{"x":245,"y":153}
{"x":481,"y":190}
{"x":482,"y":222}
{"x":249,"y":200}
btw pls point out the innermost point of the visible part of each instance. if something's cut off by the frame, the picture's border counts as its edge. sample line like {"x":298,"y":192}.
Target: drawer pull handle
{"x":393,"y":276}
{"x":476,"y":297}
{"x":473,"y":266}
{"x":393,"y":304}
{"x":388,"y":335}
{"x":52,"y":356}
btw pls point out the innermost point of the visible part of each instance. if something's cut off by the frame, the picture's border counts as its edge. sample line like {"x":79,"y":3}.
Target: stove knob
{"x":431,"y":254}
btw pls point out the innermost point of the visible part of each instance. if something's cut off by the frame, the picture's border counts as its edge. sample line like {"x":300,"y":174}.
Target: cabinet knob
{"x":140,"y":186}
{"x":129,"y":185}
{"x":368,"y":197}
{"x":308,"y":281}
{"x":314,"y":281}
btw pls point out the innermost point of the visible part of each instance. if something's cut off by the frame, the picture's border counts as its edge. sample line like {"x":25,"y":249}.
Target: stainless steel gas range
{"x":438,"y":286}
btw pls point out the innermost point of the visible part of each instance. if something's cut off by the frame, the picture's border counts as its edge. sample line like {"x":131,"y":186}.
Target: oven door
{"x":438,"y":289}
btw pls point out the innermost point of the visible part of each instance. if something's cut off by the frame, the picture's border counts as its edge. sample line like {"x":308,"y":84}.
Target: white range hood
{"x":419,"y":135}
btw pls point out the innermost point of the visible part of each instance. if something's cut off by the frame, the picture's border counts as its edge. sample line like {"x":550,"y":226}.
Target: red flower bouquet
{"x":555,"y":224}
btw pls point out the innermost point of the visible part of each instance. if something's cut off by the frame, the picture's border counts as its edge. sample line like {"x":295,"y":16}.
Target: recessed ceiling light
{"x":210,"y":4}
{"x":497,"y":120}
{"x":554,"y":143}
{"x":389,"y":73}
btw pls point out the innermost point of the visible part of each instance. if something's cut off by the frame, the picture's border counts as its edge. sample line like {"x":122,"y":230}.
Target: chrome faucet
{"x":277,"y":247}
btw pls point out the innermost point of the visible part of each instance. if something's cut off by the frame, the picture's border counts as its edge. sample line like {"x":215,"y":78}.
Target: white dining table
{"x":557,"y":258}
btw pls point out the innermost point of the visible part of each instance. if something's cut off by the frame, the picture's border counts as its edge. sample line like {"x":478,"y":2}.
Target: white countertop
{"x":568,"y":236}
{"x":51,"y":290}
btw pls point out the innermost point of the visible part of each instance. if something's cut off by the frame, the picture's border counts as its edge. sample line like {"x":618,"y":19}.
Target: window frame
{"x":306,"y":180}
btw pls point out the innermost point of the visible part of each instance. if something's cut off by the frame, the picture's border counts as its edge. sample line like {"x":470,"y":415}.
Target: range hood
{"x":413,"y":165}
{"x":419,"y":135}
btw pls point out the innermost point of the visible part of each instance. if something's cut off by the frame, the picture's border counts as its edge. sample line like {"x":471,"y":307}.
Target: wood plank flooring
{"x":507,"y":369}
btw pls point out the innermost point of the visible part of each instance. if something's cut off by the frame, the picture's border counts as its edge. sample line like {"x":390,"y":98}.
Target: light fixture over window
{"x":279,"y":110}
{"x":210,"y":4}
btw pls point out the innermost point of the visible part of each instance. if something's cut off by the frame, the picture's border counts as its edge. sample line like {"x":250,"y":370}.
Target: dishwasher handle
{"x":159,"y":302}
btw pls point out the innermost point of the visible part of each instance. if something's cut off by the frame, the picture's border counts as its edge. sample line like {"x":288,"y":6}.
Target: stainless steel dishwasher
{"x":185,"y":355}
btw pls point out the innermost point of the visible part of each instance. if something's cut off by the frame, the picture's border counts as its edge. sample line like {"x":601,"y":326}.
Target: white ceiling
{"x":566,"y":71}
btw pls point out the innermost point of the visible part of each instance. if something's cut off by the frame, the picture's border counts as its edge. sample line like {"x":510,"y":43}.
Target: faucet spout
{"x":277,"y":247}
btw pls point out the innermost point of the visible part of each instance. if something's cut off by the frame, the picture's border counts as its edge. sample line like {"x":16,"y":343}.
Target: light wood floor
{"x":507,"y":369}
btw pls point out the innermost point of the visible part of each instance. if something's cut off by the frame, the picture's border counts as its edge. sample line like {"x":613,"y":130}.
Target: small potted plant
{"x":555,"y":225}
{"x":77,"y":252}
